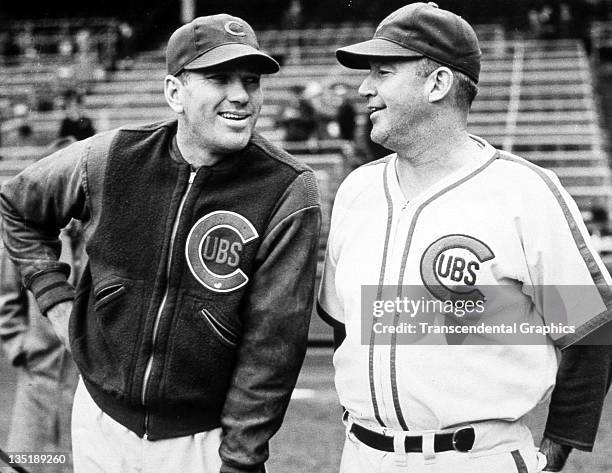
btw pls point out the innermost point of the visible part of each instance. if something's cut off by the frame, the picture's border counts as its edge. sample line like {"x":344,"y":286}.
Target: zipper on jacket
{"x":149,"y":368}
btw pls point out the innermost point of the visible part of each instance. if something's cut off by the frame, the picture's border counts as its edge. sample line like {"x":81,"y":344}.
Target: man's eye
{"x":383,"y":72}
{"x":252,"y":80}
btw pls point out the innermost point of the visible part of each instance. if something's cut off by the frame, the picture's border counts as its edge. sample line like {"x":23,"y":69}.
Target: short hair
{"x":183,"y":76}
{"x":465,"y":89}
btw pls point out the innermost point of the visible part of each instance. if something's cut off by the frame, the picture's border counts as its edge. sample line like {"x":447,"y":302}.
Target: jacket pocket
{"x":225,"y":334}
{"x":108,"y":294}
{"x":201,"y":355}
{"x":106,"y":325}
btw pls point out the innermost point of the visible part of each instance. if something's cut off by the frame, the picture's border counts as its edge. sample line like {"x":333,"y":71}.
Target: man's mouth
{"x":237,"y":116}
{"x":373,"y":110}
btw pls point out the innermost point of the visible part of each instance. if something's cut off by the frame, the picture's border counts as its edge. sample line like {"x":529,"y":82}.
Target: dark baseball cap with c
{"x":212,"y":40}
{"x":419,"y":30}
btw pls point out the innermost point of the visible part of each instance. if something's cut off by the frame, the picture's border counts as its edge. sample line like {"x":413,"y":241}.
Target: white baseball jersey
{"x":501,"y":222}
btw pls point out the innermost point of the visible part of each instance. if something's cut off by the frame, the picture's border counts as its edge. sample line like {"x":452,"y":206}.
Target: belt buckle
{"x":463,"y":439}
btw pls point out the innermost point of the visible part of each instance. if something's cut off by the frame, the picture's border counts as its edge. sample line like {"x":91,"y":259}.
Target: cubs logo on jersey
{"x":451,"y":264}
{"x":214,"y":249}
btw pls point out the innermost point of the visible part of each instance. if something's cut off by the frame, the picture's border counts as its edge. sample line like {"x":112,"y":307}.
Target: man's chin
{"x":233,"y":144}
{"x":379,"y":138}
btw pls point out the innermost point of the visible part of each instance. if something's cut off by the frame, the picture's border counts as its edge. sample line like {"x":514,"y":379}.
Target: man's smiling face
{"x":221,"y":106}
{"x":396,"y":101}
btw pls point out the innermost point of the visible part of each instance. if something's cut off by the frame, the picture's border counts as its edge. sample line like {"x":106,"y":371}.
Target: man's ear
{"x":439,"y":83}
{"x":173,"y":93}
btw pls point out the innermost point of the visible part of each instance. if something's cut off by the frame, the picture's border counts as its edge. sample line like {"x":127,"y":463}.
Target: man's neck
{"x":420,"y":167}
{"x":193,"y":154}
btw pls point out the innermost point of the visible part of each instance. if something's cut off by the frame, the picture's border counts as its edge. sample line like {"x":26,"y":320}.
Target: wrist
{"x":50,"y":289}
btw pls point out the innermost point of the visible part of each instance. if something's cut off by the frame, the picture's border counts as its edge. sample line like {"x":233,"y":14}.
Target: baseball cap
{"x":212,"y":40}
{"x":417,"y":30}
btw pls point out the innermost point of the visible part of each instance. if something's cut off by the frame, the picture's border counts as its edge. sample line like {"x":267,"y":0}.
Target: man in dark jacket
{"x":75,"y":123}
{"x":189,"y":325}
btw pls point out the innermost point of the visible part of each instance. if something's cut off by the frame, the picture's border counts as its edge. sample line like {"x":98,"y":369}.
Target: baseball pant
{"x":102,"y":445}
{"x":499,"y":447}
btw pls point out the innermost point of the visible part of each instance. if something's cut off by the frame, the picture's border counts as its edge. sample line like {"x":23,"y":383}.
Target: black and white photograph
{"x":305,"y":236}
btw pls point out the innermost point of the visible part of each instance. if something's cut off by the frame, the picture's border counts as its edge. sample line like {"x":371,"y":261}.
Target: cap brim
{"x":357,"y":56}
{"x":232,"y":52}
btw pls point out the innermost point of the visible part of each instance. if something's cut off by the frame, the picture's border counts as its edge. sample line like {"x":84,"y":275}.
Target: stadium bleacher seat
{"x":535,"y":99}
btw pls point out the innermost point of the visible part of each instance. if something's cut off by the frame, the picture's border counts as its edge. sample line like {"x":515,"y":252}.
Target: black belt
{"x":461,"y":440}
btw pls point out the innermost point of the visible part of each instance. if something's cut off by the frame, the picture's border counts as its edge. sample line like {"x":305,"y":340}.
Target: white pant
{"x":499,"y":447}
{"x":102,"y":445}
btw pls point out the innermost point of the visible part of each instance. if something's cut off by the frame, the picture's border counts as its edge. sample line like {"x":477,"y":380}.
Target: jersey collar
{"x":395,"y":191}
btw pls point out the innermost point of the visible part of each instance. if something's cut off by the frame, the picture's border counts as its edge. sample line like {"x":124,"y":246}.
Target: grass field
{"x":312,"y":435}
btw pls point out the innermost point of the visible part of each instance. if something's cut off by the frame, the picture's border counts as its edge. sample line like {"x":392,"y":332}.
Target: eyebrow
{"x":380,"y":64}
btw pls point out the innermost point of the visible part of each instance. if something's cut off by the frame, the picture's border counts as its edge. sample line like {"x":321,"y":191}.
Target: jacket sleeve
{"x":276,"y":317}
{"x":577,"y":400}
{"x":13,"y":311}
{"x":34,"y":206}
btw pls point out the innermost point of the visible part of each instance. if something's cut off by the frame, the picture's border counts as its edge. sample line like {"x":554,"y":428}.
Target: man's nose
{"x":237,"y":91}
{"x":366,"y":88}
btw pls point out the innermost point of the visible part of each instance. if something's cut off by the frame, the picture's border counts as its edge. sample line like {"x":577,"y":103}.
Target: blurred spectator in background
{"x":83,"y":42}
{"x":345,"y":113}
{"x":21,"y":113}
{"x":25,"y":42}
{"x":117,"y":47}
{"x":324,"y":103}
{"x":585,"y":13}
{"x":6,"y":43}
{"x":17,"y":130}
{"x":293,"y":19}
{"x":292,"y":16}
{"x":535,"y":27}
{"x":566,"y":21}
{"x":108,"y":49}
{"x":75,"y":123}
{"x":549,"y":22}
{"x":44,"y":96}
{"x":125,"y":45}
{"x":297,"y":118}
{"x":87,"y":68}
{"x":6,"y":113}
{"x":65,"y":45}
{"x":65,"y":82}
{"x":597,"y":223}
{"x":47,"y":376}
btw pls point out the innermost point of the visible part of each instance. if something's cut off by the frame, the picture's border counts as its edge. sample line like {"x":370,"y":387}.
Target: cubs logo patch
{"x":214,"y":249}
{"x":450,"y":266}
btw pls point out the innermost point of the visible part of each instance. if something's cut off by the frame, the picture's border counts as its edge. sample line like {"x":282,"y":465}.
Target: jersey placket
{"x":407,"y":215}
{"x":376,"y":356}
{"x":399,"y":212}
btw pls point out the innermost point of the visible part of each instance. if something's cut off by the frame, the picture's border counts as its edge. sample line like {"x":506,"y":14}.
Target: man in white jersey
{"x":448,"y":219}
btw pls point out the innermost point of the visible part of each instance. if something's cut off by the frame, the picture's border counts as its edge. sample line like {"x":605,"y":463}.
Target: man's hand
{"x":59,"y":315}
{"x":556,"y":454}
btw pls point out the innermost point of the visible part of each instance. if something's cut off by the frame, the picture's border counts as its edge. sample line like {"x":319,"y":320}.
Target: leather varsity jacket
{"x":193,"y":311}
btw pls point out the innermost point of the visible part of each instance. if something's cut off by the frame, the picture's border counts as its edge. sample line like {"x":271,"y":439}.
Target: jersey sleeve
{"x":329,"y":306}
{"x":568,"y":281}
